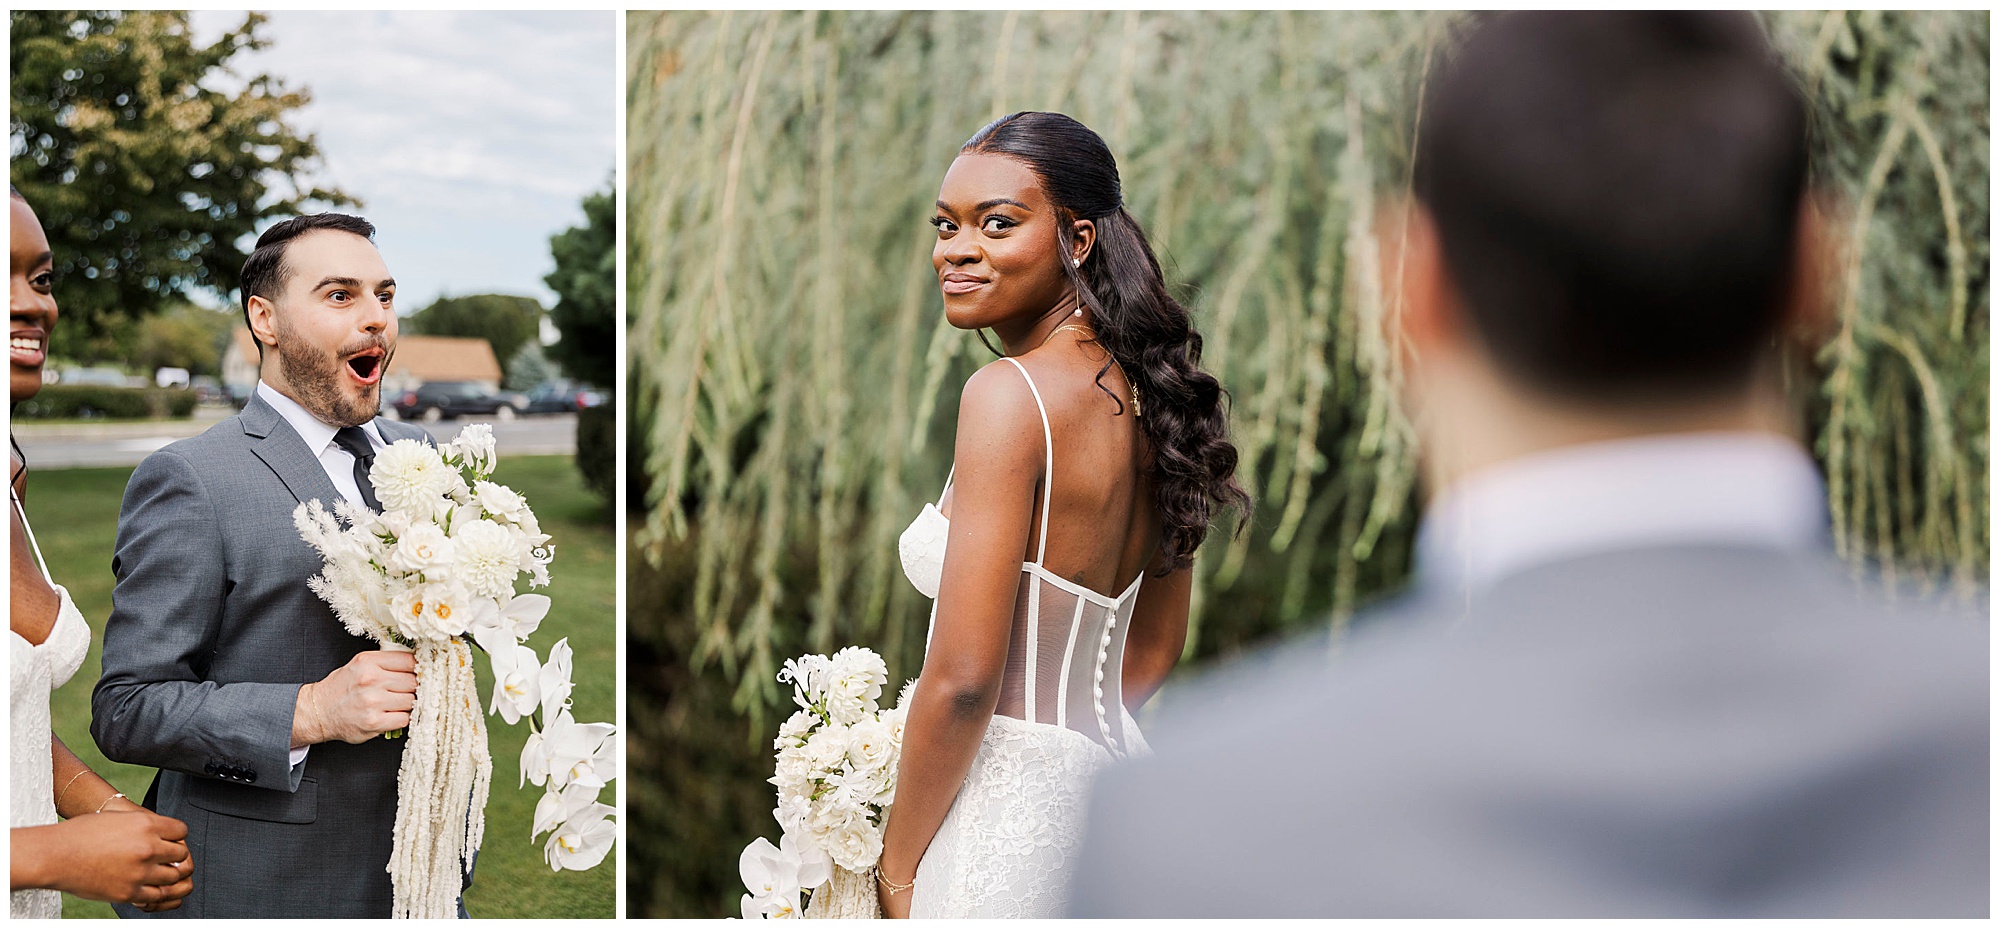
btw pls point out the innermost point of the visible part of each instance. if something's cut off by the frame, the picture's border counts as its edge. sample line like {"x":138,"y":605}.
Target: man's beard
{"x":316,"y":376}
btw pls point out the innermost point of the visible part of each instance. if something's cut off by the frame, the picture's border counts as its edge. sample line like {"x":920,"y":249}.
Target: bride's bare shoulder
{"x":998,"y":416}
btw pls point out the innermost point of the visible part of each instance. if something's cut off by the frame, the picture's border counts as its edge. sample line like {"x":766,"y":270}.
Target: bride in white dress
{"x":1090,"y":461}
{"x":127,"y":855}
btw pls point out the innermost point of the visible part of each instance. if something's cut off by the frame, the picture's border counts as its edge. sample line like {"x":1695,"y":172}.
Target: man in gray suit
{"x":1630,"y":680}
{"x":220,"y":667}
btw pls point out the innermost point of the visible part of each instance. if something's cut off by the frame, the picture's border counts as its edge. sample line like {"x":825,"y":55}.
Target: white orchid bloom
{"x":767,"y":871}
{"x":534,"y":761}
{"x":503,"y":627}
{"x":815,"y":868}
{"x":517,"y":683}
{"x":556,"y":684}
{"x":559,"y":806}
{"x":582,"y":753}
{"x":775,"y":875}
{"x":582,"y":842}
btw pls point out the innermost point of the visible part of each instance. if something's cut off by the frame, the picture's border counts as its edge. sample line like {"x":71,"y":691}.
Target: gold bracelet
{"x":65,"y":791}
{"x":319,"y":717}
{"x":891,"y":886}
{"x":107,"y":801}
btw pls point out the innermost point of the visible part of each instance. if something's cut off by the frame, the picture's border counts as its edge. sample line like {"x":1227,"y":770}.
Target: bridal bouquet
{"x":836,"y":778}
{"x":433,"y":573}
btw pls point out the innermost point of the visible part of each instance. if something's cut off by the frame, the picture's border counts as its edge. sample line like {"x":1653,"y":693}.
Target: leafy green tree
{"x":183,"y":336}
{"x":585,"y":281}
{"x":505,"y":321}
{"x":145,"y":171}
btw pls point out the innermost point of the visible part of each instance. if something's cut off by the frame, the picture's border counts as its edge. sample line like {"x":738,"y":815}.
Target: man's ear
{"x":1428,"y":316}
{"x":262,"y":314}
{"x":1810,"y":312}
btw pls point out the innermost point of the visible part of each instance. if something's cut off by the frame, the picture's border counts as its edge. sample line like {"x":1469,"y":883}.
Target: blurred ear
{"x":1428,"y":315}
{"x":263,"y":321}
{"x":1811,"y":315}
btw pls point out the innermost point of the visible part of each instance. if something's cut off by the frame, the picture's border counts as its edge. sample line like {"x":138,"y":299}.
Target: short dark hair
{"x":264,"y":272}
{"x":1617,"y":196}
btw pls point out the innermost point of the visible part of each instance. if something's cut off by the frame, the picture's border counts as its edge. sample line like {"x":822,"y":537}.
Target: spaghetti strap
{"x":30,"y":532}
{"x":1049,"y":469}
{"x":947,"y":482}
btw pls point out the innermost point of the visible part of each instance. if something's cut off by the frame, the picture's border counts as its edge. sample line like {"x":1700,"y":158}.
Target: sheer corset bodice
{"x":1066,"y":649}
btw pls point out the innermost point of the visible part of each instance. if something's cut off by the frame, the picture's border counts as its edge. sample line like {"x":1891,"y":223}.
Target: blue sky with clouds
{"x":469,"y":137}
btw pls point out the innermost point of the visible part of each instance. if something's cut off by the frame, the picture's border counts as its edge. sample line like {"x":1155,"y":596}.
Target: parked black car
{"x":452,"y":399}
{"x":560,"y":396}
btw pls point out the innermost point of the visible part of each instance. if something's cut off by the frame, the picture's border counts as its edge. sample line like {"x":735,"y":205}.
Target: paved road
{"x":115,"y":445}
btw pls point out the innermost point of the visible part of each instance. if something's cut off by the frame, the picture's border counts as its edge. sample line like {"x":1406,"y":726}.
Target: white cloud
{"x":470,"y":137}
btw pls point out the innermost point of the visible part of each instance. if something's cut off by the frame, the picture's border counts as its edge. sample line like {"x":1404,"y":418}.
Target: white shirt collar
{"x":317,"y":435}
{"x":1718,"y":487}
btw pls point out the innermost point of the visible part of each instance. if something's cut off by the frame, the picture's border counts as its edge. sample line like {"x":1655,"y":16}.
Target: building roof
{"x":423,"y":357}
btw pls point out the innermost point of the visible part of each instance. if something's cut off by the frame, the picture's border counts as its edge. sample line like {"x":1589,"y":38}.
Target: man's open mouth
{"x":366,"y":366}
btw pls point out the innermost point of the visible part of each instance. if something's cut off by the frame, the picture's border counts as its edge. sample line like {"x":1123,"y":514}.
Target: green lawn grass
{"x":76,"y":514}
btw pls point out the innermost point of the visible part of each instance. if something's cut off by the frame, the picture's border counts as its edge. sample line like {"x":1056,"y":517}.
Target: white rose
{"x":488,"y":557}
{"x":895,"y":719}
{"x":447,"y":610}
{"x":432,"y":612}
{"x":829,"y":813}
{"x":855,"y":844}
{"x":423,"y":548}
{"x":796,"y":728}
{"x":868,"y":745}
{"x":826,"y":750}
{"x":855,"y":680}
{"x":409,"y":475}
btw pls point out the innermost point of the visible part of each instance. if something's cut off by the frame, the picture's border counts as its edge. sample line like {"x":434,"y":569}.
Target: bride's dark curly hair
{"x":1143,"y":327}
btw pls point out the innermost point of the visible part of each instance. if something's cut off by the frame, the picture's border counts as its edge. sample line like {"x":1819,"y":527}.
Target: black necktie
{"x":356,"y":443}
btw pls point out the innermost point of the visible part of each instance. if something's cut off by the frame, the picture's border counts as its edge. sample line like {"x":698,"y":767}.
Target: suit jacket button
{"x":209,"y":769}
{"x":249,"y":776}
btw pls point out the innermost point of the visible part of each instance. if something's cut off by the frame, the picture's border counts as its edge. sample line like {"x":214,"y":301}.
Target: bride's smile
{"x":999,"y":257}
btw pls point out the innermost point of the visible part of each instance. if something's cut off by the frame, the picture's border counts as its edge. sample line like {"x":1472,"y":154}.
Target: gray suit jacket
{"x":212,"y":632}
{"x":1684,"y":731}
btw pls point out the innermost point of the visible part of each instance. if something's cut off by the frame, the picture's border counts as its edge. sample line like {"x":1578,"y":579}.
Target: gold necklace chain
{"x":1121,"y":368}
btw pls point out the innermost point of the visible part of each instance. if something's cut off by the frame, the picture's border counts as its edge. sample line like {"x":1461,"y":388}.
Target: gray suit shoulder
{"x":394,"y":430}
{"x":1625,"y":735}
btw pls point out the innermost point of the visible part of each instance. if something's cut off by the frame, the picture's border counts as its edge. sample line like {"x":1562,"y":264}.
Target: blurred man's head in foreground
{"x":1608,"y":227}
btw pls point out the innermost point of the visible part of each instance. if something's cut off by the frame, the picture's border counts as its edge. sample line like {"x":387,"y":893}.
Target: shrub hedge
{"x":90,"y":401}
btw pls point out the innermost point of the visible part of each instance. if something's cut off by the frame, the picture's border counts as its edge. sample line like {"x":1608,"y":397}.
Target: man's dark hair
{"x":264,"y":273}
{"x":1617,"y":196}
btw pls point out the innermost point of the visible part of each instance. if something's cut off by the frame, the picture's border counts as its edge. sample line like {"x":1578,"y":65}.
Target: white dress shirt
{"x":1723,"y":487}
{"x":338,"y":464}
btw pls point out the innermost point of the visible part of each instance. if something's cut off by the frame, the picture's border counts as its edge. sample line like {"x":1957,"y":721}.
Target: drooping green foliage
{"x":147,"y":158}
{"x":800,"y":382}
{"x":1901,"y":416}
{"x":507,"y":322}
{"x":586,"y":284}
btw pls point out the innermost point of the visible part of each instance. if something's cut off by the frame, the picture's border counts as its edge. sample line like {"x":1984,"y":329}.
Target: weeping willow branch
{"x":787,"y":329}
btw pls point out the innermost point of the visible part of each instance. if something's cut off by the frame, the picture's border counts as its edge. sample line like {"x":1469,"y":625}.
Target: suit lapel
{"x":279,"y":445}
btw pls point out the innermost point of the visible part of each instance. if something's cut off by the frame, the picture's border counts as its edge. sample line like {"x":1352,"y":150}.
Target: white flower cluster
{"x":836,"y":778}
{"x":441,"y":562}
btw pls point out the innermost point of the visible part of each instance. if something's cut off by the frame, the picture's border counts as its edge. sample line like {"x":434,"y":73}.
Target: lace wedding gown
{"x":33,"y":671}
{"x":1007,"y":845}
